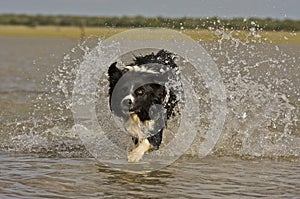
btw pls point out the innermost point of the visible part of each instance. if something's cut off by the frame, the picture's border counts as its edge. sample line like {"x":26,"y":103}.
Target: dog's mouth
{"x":134,"y":109}
{"x":141,"y":112}
{"x":129,"y":107}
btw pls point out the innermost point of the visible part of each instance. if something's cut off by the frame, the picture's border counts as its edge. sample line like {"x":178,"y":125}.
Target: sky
{"x":278,"y":9}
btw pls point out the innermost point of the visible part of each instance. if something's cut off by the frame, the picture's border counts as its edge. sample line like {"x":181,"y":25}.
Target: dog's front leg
{"x":137,"y":153}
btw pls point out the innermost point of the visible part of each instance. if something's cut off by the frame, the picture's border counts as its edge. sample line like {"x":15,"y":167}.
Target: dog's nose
{"x":126,"y":103}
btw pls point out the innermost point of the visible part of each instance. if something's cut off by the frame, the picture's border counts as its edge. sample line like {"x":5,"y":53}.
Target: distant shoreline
{"x":277,"y":37}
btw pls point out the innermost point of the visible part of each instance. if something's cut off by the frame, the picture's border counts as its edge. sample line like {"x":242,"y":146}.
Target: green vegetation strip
{"x":199,"y":35}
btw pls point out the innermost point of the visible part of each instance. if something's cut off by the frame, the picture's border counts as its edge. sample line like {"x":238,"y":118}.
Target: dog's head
{"x":136,"y":90}
{"x":141,"y":88}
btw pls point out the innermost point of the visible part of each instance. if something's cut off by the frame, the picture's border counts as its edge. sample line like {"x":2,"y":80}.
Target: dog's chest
{"x":138,"y":129}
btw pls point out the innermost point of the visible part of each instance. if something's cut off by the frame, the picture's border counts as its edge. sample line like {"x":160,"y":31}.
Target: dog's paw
{"x":134,"y":156}
{"x":137,"y":153}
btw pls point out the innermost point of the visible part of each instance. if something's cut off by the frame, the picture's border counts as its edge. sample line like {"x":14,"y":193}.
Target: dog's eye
{"x":139,"y":91}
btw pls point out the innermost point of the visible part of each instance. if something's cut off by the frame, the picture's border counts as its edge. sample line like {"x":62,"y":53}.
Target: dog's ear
{"x":114,"y":75}
{"x":113,"y":72}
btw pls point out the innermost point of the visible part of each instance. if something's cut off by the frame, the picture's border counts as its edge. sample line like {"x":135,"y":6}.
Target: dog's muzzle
{"x":126,"y":105}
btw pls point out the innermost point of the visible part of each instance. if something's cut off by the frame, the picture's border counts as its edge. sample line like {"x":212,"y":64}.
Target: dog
{"x":140,"y":95}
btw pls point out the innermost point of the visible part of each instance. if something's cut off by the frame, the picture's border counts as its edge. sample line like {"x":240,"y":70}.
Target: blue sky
{"x":280,"y":9}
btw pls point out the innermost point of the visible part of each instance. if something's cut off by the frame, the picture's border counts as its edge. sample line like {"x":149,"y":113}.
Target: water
{"x":35,"y":177}
{"x":257,"y":154}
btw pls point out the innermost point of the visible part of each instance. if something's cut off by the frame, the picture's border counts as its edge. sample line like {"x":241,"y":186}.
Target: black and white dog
{"x":140,"y":94}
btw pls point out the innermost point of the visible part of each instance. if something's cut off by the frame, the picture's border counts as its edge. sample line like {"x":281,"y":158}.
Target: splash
{"x":262,"y":87}
{"x":262,"y":83}
{"x":199,"y":64}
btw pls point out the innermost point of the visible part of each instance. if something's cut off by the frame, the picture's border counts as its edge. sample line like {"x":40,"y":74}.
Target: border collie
{"x":140,"y":95}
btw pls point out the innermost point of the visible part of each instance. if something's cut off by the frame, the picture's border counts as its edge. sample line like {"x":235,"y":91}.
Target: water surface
{"x":257,"y":154}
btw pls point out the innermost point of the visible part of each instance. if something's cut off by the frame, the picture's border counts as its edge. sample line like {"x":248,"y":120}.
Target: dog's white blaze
{"x":141,"y":69}
{"x":128,"y":97}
